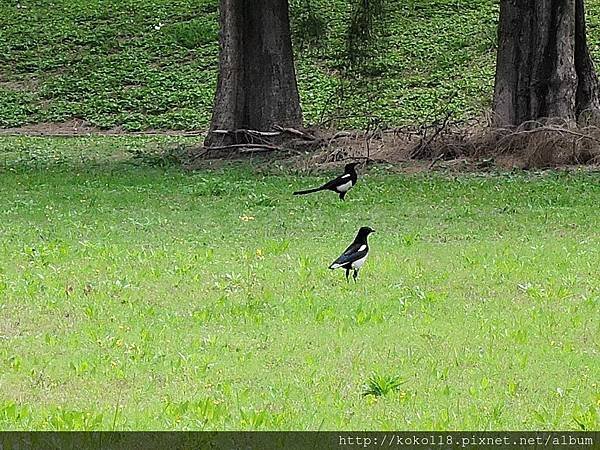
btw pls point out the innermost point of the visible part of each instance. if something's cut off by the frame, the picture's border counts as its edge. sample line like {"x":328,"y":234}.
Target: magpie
{"x":354,"y":256}
{"x":341,"y":184}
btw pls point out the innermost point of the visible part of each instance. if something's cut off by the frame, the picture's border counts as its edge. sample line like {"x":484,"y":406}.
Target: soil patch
{"x":76,"y":127}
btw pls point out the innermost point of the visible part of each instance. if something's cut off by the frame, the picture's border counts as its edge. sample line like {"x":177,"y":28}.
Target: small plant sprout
{"x":380,"y":385}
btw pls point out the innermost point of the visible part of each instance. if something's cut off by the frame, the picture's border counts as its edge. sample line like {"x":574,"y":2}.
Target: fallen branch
{"x":267,"y":148}
{"x":419,"y":150}
{"x":433,"y":163}
{"x":343,"y":134}
{"x":542,"y":129}
{"x":251,"y":132}
{"x":295,"y":132}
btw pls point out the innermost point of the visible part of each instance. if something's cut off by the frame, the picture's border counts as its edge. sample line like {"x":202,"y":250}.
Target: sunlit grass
{"x":139,"y":297}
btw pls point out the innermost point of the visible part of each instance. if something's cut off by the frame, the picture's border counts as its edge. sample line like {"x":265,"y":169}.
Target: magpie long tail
{"x":309,"y":191}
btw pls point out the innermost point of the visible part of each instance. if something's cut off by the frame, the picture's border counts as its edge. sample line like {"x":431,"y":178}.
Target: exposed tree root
{"x":444,"y":143}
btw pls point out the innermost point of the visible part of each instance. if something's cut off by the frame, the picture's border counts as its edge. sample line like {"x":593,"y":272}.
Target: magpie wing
{"x":352,"y":253}
{"x":342,"y":179}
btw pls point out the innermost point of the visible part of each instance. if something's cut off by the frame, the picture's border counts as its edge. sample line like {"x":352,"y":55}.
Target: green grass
{"x":142,"y":297}
{"x":142,"y":64}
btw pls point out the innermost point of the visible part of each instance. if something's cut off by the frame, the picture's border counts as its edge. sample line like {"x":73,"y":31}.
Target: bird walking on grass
{"x":355,"y":255}
{"x":341,"y":184}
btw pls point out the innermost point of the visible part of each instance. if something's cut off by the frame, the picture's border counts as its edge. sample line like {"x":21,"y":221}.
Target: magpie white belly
{"x":344,"y":187}
{"x":359,"y":262}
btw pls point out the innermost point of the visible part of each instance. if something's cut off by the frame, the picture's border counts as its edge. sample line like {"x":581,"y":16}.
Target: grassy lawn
{"x":142,"y":297}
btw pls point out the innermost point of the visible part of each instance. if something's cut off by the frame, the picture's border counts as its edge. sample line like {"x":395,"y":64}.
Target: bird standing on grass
{"x":341,"y":184}
{"x":355,"y":255}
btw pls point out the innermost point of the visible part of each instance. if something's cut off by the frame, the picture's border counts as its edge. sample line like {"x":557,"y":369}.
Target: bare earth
{"x":388,"y":148}
{"x":81,"y":128}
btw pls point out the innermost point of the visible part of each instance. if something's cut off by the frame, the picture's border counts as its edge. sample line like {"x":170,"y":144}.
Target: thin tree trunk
{"x":588,"y":101}
{"x":256,"y":87}
{"x":543,"y":66}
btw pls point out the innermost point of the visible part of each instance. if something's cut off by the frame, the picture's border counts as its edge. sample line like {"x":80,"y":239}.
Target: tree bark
{"x":588,"y":100}
{"x":543,"y":68}
{"x":256,"y":86}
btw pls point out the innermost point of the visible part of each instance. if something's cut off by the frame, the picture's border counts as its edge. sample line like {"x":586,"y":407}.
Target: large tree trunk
{"x":543,"y":67}
{"x":256,"y":88}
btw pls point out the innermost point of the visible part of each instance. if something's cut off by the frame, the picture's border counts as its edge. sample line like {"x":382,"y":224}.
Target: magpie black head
{"x":350,"y":167}
{"x":364,"y":232}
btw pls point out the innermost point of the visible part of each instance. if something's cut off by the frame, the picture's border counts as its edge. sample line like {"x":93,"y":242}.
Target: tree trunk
{"x":256,"y":87}
{"x":543,"y":68}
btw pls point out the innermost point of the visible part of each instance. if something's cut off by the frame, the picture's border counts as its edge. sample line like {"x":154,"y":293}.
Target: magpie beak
{"x":355,"y":255}
{"x":341,"y":184}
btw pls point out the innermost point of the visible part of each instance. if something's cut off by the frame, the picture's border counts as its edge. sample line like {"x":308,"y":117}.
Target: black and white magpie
{"x":354,"y":256}
{"x":341,"y":184}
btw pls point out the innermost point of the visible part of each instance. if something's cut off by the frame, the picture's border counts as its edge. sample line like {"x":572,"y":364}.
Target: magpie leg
{"x":355,"y":275}
{"x":342,"y":195}
{"x":347,"y":275}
